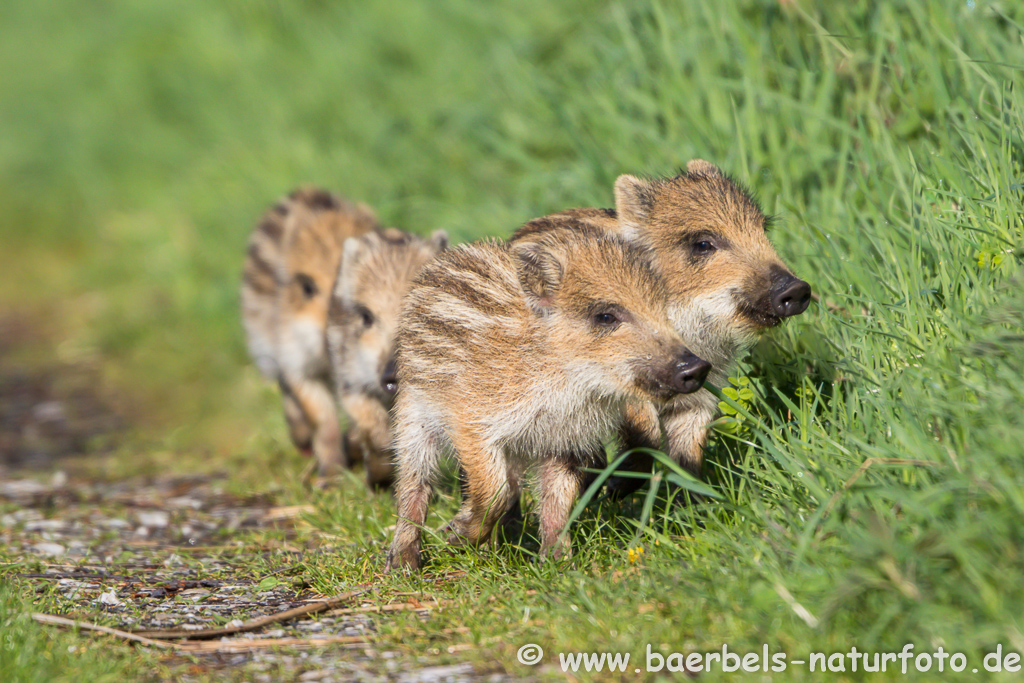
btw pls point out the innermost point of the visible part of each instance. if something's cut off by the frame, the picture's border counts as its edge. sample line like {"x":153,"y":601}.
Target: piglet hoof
{"x":327,"y":475}
{"x":315,"y":480}
{"x":555,"y":552}
{"x":309,"y":474}
{"x":406,"y":559}
{"x":456,"y":532}
{"x":324,"y":483}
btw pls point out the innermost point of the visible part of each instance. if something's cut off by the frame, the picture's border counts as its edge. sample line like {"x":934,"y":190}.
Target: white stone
{"x":49,"y":549}
{"x":156,"y":519}
{"x":110,"y":598}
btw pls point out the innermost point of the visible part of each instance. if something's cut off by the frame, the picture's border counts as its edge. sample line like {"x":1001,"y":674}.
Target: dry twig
{"x":253,"y":624}
{"x":394,"y":607}
{"x":244,"y":644}
{"x":54,"y":620}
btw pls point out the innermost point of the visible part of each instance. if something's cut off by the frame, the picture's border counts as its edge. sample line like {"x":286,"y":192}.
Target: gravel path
{"x":177,"y":554}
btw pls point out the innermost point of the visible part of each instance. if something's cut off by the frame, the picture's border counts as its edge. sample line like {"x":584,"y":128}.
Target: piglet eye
{"x":365,"y":316}
{"x":309,"y":288}
{"x":606,"y":319}
{"x":703,"y":247}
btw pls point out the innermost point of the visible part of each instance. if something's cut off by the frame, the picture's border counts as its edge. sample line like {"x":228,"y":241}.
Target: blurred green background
{"x":142,"y":140}
{"x":877,"y":476}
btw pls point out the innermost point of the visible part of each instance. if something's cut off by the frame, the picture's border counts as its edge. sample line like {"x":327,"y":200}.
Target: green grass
{"x":32,"y":653}
{"x":872,"y":486}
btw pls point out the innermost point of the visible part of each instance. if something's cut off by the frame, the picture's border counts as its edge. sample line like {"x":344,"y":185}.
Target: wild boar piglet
{"x":520,"y":358}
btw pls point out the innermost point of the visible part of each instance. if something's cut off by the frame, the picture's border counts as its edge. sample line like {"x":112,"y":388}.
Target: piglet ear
{"x":703,"y":168}
{"x":540,"y":275}
{"x":633,"y":199}
{"x":352,"y":252}
{"x":439,"y":240}
{"x":364,"y":218}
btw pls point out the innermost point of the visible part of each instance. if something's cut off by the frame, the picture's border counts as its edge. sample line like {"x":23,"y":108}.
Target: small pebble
{"x":156,"y":519}
{"x":49,"y":549}
{"x":110,"y":598}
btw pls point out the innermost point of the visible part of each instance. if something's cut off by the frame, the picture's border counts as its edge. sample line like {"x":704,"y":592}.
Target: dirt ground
{"x":168,"y":560}
{"x":154,"y":558}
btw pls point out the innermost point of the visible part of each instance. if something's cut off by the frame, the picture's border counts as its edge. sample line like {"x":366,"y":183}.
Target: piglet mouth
{"x":762,"y":317}
{"x":685,"y":375}
{"x":788,"y":296}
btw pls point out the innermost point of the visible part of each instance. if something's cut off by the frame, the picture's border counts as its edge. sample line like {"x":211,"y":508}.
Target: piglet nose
{"x":389,"y":378}
{"x":791,"y":297}
{"x":690,"y":373}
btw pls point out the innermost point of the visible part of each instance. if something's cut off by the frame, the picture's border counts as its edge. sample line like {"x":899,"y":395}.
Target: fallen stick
{"x":244,"y":645}
{"x":252,"y":625}
{"x":239,"y":644}
{"x":86,"y":626}
{"x":393,"y":607}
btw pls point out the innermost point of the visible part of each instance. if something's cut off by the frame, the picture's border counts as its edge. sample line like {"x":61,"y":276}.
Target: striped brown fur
{"x":290,"y":268}
{"x":522,"y":357}
{"x":725,"y":284}
{"x":376,"y":272}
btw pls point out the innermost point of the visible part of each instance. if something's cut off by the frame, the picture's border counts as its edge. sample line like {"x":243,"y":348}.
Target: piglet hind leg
{"x":412,"y":512}
{"x":299,"y":428}
{"x":488,"y":491}
{"x":317,"y":402}
{"x":369,"y":436}
{"x":558,"y":485}
{"x":417,"y":459}
{"x":511,"y":524}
